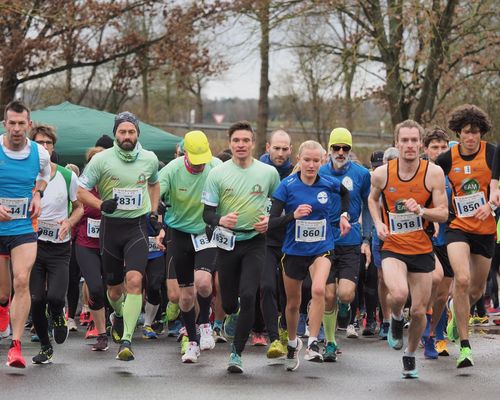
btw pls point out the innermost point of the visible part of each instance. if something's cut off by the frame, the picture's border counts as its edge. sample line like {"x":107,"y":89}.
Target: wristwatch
{"x":40,"y":191}
{"x":346,"y":215}
{"x":421,"y":211}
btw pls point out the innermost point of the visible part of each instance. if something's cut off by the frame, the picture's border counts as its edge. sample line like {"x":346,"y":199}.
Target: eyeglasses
{"x":345,"y":149}
{"x":43,"y":142}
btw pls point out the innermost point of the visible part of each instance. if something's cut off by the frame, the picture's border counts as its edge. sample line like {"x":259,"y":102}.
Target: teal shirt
{"x":231,"y":188}
{"x":108,"y":172}
{"x":183,"y":190}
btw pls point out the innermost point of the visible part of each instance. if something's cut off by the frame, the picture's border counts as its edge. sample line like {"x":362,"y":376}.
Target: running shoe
{"x":330,"y":352}
{"x":172,"y":312}
{"x":481,"y":321}
{"x":395,"y":334}
{"x":312,"y":353}
{"x":59,"y":328}
{"x":430,"y":351}
{"x":235,"y":365}
{"x":6,"y":333}
{"x":384,"y":330}
{"x":148,"y":333}
{"x":258,"y":339}
{"x":184,"y":344}
{"x":276,"y":350}
{"x":15,"y":358}
{"x":207,"y":341}
{"x":351,"y":332}
{"x":302,"y":325}
{"x":85,"y":318}
{"x":72,"y":327}
{"x":321,"y":334}
{"x":283,"y":334}
{"x":409,"y":368}
{"x":91,"y":332}
{"x":292,"y":356}
{"x":230,"y":325}
{"x":192,"y":353}
{"x":174,"y":328}
{"x":370,"y":328}
{"x":158,"y":327}
{"x":116,"y":327}
{"x":218,"y":336}
{"x":465,"y":358}
{"x":451,"y":329}
{"x":493,"y":311}
{"x":44,"y":356}
{"x":140,"y":320}
{"x":442,"y":348}
{"x":125,"y":352}
{"x":4,"y":317}
{"x":344,"y":315}
{"x":101,"y":344}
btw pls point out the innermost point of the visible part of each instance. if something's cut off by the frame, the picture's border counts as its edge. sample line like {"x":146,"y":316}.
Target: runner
{"x":182,"y":182}
{"x":470,"y":234}
{"x":126,"y":177}
{"x":236,"y":197}
{"x":408,"y":186}
{"x":308,"y":200}
{"x":50,"y":274}
{"x":24,"y":174}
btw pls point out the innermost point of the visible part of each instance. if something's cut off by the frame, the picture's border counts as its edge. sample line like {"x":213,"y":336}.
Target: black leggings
{"x":49,"y":284}
{"x":155,"y":276}
{"x":73,"y":284}
{"x":495,"y":263}
{"x":239,"y":276}
{"x":91,"y":266}
{"x":366,"y":291}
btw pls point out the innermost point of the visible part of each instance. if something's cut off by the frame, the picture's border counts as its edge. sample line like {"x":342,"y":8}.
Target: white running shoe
{"x":6,"y":333}
{"x":351,"y":332}
{"x":192,"y":353}
{"x":72,"y":325}
{"x":207,"y":341}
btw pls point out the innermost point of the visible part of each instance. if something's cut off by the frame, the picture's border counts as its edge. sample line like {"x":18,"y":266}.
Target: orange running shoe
{"x":15,"y":358}
{"x":91,"y":331}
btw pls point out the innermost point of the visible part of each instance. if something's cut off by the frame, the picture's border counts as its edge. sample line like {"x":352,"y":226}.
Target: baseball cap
{"x":377,"y":158}
{"x":197,"y":148}
{"x":340,"y":135}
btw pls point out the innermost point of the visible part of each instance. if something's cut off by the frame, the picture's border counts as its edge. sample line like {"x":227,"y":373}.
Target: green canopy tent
{"x":78,"y":128}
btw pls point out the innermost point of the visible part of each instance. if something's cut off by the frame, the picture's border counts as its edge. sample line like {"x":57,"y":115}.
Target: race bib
{"x":224,"y":238}
{"x":128,"y":199}
{"x":404,"y":223}
{"x":152,"y":246}
{"x":48,"y":231}
{"x":18,"y":208}
{"x":310,"y":231}
{"x":467,"y":205}
{"x":201,"y":242}
{"x":93,"y":228}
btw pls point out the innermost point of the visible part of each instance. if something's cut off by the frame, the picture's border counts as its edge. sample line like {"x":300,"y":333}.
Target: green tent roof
{"x":78,"y":128}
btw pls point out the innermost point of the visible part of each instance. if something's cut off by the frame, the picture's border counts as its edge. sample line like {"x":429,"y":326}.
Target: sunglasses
{"x":42,"y":142}
{"x":345,"y":149}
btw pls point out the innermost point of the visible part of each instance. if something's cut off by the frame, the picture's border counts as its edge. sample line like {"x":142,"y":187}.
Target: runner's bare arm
{"x":88,"y":199}
{"x":379,"y":178}
{"x":154,"y":195}
{"x":436,"y":183}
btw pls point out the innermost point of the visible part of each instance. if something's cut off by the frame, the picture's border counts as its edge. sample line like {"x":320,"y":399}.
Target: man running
{"x":236,"y":198}
{"x":24,"y":174}
{"x":408,"y":186}
{"x":126,"y":177}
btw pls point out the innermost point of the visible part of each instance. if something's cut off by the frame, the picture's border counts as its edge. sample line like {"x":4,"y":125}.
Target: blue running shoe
{"x":395,"y":334}
{"x":409,"y":368}
{"x":175,"y":327}
{"x":321,"y":334}
{"x":230,"y":325}
{"x":234,"y":365}
{"x":384,"y":330}
{"x":301,"y":327}
{"x":430,"y":351}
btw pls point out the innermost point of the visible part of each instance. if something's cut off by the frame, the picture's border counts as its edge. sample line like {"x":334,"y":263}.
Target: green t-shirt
{"x":231,"y":188}
{"x":126,"y":180}
{"x":183,"y":192}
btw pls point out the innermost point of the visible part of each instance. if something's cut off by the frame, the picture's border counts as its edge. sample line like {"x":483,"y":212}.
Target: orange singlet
{"x":407,"y":230}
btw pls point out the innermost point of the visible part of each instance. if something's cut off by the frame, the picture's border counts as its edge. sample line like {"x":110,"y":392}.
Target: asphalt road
{"x":366,"y":369}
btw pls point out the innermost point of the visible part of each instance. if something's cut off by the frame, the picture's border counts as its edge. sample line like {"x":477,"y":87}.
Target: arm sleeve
{"x":344,"y":199}
{"x":210,"y":215}
{"x":44,"y":156}
{"x":444,"y":161}
{"x":276,"y":219}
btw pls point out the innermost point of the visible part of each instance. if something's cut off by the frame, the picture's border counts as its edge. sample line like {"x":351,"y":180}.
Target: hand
{"x":229,"y":220}
{"x":495,"y":196}
{"x":261,"y":226}
{"x":64,"y":229}
{"x":436,"y":230}
{"x":365,"y":249}
{"x":483,"y":212}
{"x":109,"y":206}
{"x":302,"y":211}
{"x":5,"y":214}
{"x":382,"y":230}
{"x":162,"y":208}
{"x":155,"y":224}
{"x":412,"y":206}
{"x":159,"y":240}
{"x":345,"y":226}
{"x":35,"y":205}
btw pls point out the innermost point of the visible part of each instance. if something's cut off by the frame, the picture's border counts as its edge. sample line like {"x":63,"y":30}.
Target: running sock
{"x":441,"y":326}
{"x":150,"y":311}
{"x":218,"y":324}
{"x":131,"y":311}
{"x":409,"y":353}
{"x":465,"y":343}
{"x":330,"y":325}
{"x":204,"y":313}
{"x":311,"y":340}
{"x":117,"y":305}
{"x":189,"y":318}
{"x":294,"y":343}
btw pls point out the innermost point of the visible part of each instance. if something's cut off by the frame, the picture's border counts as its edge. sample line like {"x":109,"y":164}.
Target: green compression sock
{"x":131,"y":311}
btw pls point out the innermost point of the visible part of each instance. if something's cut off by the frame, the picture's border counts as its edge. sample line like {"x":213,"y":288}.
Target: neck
{"x":13,"y":147}
{"x":408,"y":166}
{"x":308,"y":180}
{"x":243,"y":162}
{"x":466,"y":152}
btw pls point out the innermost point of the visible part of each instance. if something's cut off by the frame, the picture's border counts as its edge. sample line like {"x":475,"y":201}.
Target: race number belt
{"x":152,"y":246}
{"x":467,"y":205}
{"x":404,"y":223}
{"x":224,"y":238}
{"x":49,"y":231}
{"x":128,"y":199}
{"x":93,"y":228}
{"x":18,"y":208}
{"x":201,"y":242}
{"x":310,"y":231}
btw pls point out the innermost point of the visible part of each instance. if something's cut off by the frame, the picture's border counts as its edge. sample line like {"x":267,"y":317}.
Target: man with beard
{"x":343,"y":277}
{"x":126,"y":177}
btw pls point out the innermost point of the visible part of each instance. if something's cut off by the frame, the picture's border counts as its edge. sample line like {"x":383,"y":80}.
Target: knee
{"x":21,"y":283}
{"x":134,"y":282}
{"x":346,"y":296}
{"x":318,"y":291}
{"x":293,"y":307}
{"x":186,"y":301}
{"x":462,"y":282}
{"x":399,"y":296}
{"x":267,"y":290}
{"x":417,"y":312}
{"x":203,"y":287}
{"x":96,"y":299}
{"x":115,"y":292}
{"x":247,"y":301}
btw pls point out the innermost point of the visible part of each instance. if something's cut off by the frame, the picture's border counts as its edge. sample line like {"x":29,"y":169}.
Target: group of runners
{"x":261,"y":243}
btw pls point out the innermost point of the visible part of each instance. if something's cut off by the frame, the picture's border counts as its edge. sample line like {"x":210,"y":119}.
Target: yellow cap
{"x":197,"y":148}
{"x":340,"y":135}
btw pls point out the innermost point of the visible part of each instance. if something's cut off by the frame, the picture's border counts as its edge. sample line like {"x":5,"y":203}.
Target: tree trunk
{"x":263,"y":105}
{"x":7,"y":89}
{"x":145,"y":92}
{"x":198,"y":116}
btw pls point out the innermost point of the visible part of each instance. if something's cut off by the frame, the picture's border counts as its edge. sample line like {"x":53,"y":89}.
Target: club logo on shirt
{"x":399,"y":206}
{"x":392,"y":189}
{"x":322,"y":197}
{"x":256,"y":190}
{"x":347,"y":182}
{"x":141,"y":180}
{"x":470,"y":186}
{"x":114,"y":179}
{"x":457,"y":169}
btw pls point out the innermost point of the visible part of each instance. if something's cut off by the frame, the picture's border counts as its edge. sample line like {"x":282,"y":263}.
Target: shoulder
{"x":264,"y":167}
{"x":215,"y":162}
{"x":171,"y":166}
{"x":360,"y":170}
{"x":434,"y":170}
{"x":148,"y":155}
{"x":379,"y":175}
{"x":325,"y":169}
{"x":290,"y":180}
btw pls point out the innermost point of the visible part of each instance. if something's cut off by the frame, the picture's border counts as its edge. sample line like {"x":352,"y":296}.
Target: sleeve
{"x":90,"y":175}
{"x":274,"y":182}
{"x":444,"y":161}
{"x":44,"y":157}
{"x":210,"y":215}
{"x":73,"y":187}
{"x":280,"y":193}
{"x":210,"y":195}
{"x":153,"y":178}
{"x":164,"y":178}
{"x":276,"y":219}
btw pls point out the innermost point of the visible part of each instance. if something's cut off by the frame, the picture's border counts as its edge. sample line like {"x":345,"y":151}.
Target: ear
{"x":268,"y":146}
